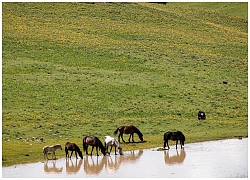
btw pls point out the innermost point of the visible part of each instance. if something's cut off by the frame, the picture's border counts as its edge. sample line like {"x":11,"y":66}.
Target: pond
{"x":213,"y":159}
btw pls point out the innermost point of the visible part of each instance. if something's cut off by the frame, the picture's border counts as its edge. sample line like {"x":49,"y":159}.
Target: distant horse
{"x":128,"y":130}
{"x":46,"y":149}
{"x":94,"y":142}
{"x":201,"y":115}
{"x":72,"y":147}
{"x":174,"y":136}
{"x":110,"y":141}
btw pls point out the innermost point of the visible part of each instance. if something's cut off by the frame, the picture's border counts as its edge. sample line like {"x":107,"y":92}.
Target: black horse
{"x":174,"y":136}
{"x":201,"y":115}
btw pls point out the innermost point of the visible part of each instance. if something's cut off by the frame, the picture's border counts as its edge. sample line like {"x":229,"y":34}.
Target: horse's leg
{"x":66,"y":152}
{"x":45,"y":155}
{"x":110,"y":149}
{"x":54,"y":154}
{"x":76,"y":154}
{"x":71,"y":154}
{"x":87,"y":149}
{"x":92,"y":150}
{"x":115,"y":150}
{"x":168,"y":145}
{"x":121,"y":134}
{"x":164,"y":145}
{"x":97,"y":150}
{"x":176,"y":143}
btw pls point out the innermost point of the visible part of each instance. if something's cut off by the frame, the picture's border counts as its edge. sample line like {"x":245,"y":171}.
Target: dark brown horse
{"x":174,"y":136}
{"x":128,"y":130}
{"x":72,"y":147}
{"x":94,"y":142}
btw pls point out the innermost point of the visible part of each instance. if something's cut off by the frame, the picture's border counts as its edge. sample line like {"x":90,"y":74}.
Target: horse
{"x":72,"y":147}
{"x":109,"y":141}
{"x":53,"y":148}
{"x":201,"y":115}
{"x":174,"y":136}
{"x":94,"y":142}
{"x":128,"y":130}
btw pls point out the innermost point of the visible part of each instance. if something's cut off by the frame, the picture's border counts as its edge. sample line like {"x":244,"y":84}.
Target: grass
{"x":75,"y":69}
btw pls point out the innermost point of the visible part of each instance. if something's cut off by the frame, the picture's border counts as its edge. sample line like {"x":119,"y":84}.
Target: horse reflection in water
{"x":72,"y":167}
{"x":109,"y":163}
{"x":175,"y":159}
{"x":53,"y":168}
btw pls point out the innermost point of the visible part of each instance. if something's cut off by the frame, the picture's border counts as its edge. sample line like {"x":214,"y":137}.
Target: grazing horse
{"x":128,"y":130}
{"x":46,"y":149}
{"x":174,"y":136}
{"x":110,"y":141}
{"x":94,"y":142}
{"x":201,"y":115}
{"x":72,"y":147}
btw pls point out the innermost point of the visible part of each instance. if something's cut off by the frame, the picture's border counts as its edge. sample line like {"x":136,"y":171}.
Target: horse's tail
{"x":45,"y":149}
{"x":84,"y":143}
{"x":116,"y":131}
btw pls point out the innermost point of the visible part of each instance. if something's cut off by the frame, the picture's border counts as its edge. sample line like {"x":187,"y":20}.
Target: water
{"x":213,"y":159}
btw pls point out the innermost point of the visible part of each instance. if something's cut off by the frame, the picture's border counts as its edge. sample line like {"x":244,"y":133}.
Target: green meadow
{"x":76,"y":69}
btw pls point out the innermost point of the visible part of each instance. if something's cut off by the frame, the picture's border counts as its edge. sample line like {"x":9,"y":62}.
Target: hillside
{"x":74,"y":69}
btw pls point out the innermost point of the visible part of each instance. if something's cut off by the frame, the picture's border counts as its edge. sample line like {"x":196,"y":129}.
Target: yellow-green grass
{"x":76,"y":69}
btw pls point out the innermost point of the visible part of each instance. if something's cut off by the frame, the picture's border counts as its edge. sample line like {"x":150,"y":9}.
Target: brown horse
{"x":128,"y":130}
{"x":72,"y":147}
{"x":174,"y":136}
{"x":94,"y":142}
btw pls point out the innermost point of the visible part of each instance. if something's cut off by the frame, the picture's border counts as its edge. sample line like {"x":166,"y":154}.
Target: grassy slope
{"x":74,"y":69}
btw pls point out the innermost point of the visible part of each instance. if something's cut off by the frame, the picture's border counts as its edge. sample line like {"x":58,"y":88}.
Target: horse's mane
{"x":77,"y":148}
{"x":100,"y":143}
{"x":139,"y":132}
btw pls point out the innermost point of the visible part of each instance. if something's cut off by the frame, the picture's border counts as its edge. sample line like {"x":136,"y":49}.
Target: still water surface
{"x":213,"y":159}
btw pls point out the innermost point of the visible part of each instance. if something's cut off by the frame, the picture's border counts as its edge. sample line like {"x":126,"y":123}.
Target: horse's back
{"x":91,"y":140}
{"x":71,"y":146}
{"x":167,"y":135}
{"x":45,"y":147}
{"x":130,"y":129}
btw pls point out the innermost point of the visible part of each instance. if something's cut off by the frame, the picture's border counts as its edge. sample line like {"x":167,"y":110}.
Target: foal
{"x":46,"y":149}
{"x":109,"y":141}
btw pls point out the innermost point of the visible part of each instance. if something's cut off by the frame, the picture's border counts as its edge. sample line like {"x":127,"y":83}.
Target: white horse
{"x":46,"y":149}
{"x":110,"y":141}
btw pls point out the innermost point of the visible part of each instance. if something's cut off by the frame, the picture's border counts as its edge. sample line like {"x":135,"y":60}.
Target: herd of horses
{"x":95,"y":142}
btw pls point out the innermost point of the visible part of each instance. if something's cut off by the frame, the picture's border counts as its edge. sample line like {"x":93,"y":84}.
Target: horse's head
{"x":120,"y":150}
{"x":140,"y":135}
{"x":80,"y":154}
{"x":104,"y":152}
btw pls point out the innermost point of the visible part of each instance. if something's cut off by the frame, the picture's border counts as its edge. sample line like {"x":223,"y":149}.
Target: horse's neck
{"x":137,"y":131}
{"x":101,"y":145}
{"x":77,"y":148}
{"x":117,"y":144}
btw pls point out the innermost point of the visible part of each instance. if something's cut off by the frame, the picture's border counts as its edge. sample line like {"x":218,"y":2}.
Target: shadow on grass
{"x":134,"y":142}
